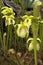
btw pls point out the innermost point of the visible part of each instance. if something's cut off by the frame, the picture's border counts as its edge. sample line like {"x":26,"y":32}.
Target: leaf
{"x":30,"y":48}
{"x":30,"y":39}
{"x":8,"y":14}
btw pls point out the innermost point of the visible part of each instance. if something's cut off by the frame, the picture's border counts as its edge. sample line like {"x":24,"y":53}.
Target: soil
{"x":18,"y":58}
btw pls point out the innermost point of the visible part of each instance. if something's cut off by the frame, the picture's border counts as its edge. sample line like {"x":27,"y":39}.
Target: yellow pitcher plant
{"x":8,"y":14}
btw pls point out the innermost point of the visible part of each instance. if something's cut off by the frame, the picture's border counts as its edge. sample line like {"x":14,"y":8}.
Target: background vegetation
{"x":21,"y":32}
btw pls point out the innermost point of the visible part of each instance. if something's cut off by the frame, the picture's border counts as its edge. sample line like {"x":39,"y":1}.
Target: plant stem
{"x":10,"y":39}
{"x":4,"y":43}
{"x":41,"y":35}
{"x":1,"y":38}
{"x":15,"y":39}
{"x":35,"y":26}
{"x":35,"y":51}
{"x":9,"y":36}
{"x":1,"y":26}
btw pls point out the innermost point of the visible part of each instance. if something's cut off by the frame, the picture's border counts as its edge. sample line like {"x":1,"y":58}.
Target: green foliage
{"x":18,"y":30}
{"x":35,"y":27}
{"x":8,"y":14}
{"x":24,"y":3}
